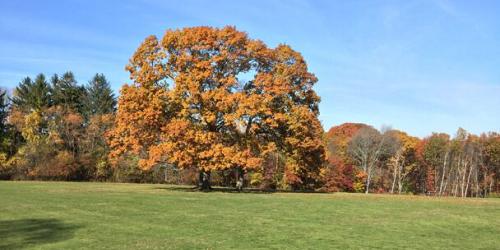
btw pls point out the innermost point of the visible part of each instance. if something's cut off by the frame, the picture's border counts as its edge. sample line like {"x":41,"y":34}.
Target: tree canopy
{"x":216,"y":99}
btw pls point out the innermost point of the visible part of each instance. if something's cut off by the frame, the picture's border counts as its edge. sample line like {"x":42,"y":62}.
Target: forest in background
{"x":191,"y":117}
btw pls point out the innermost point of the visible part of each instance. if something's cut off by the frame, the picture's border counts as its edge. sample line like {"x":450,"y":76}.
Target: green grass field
{"x":59,"y":215}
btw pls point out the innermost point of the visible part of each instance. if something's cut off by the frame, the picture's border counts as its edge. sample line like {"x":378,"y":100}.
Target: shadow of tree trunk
{"x":23,"y":233}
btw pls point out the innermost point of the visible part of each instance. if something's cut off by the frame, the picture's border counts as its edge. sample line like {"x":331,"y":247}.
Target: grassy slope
{"x":98,"y":215}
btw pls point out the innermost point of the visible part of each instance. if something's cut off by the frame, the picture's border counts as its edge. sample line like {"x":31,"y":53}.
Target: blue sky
{"x":419,"y":66}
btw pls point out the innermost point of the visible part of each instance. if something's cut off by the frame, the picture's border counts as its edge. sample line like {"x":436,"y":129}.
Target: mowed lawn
{"x":61,"y":215}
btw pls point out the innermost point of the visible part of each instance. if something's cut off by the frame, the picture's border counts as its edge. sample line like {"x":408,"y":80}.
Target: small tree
{"x":403,"y":161}
{"x":368,"y":148}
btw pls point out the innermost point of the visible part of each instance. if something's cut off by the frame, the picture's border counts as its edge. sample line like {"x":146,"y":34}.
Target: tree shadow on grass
{"x":232,"y":190}
{"x":23,"y":233}
{"x":215,"y":189}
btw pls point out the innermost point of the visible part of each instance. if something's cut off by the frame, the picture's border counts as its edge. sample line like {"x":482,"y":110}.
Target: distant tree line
{"x":211,"y":106}
{"x":363,"y":159}
{"x":60,"y":130}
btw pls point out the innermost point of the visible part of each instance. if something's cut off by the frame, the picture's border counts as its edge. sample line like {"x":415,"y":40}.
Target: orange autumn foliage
{"x":214,"y":99}
{"x":138,"y":121}
{"x":338,"y":137}
{"x":340,"y":173}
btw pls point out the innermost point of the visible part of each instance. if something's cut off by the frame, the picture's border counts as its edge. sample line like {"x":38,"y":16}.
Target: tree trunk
{"x":444,"y":172}
{"x":368,"y":179}
{"x":464,"y":178}
{"x":400,"y":183}
{"x":456,"y":184}
{"x":484,"y":188}
{"x":204,"y":181}
{"x":476,"y":177}
{"x":468,"y":181}
{"x":401,"y":176}
{"x":394,"y":178}
{"x":448,"y":179}
{"x":462,"y":186}
{"x":239,"y":178}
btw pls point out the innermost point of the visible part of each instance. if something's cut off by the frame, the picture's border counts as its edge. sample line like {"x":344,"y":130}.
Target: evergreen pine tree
{"x":67,"y":93}
{"x":32,"y":95}
{"x":99,"y":97}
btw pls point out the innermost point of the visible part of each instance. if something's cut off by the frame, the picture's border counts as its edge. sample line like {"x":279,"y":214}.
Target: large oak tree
{"x":214,"y":99}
